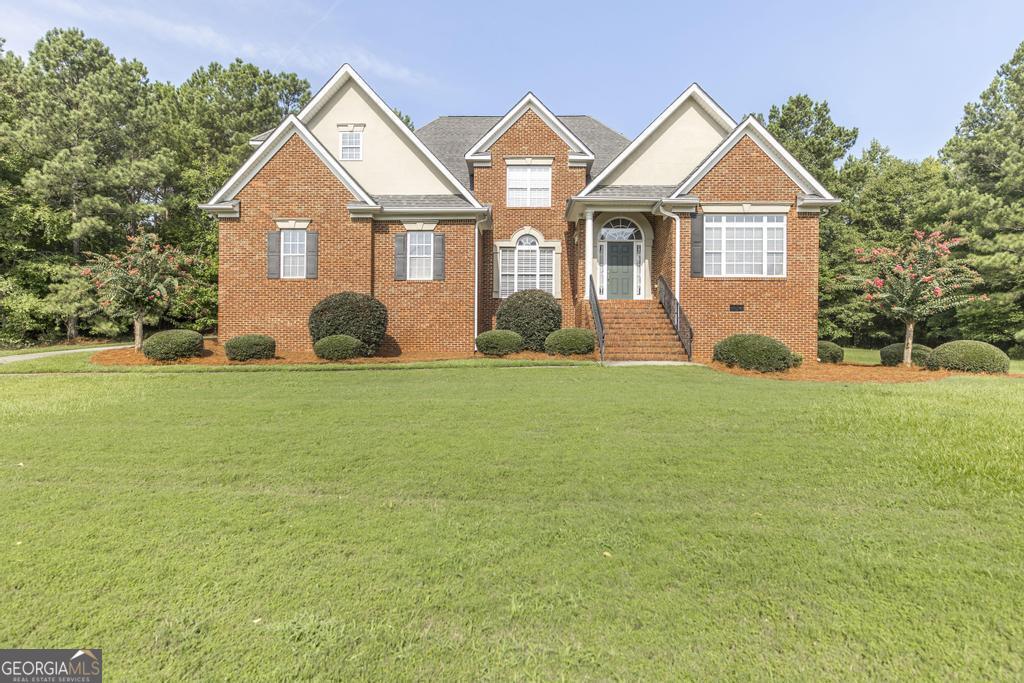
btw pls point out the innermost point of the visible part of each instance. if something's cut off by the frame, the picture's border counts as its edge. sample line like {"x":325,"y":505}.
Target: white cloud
{"x":295,"y":55}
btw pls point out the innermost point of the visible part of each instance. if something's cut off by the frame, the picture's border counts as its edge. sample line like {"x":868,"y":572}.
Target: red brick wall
{"x":785,"y":308}
{"x":529,"y":136}
{"x":355,"y":255}
{"x":434,"y":316}
{"x":293,"y":184}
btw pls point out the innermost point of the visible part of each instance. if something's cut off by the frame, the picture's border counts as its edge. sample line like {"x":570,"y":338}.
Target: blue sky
{"x":900,"y":71}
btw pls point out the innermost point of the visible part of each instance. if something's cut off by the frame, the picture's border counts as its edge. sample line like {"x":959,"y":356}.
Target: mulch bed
{"x":213,"y":354}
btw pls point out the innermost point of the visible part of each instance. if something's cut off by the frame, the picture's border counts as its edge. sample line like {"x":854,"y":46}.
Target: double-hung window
{"x":421,"y":255}
{"x":528,"y":265}
{"x":745,"y":245}
{"x":528,"y":185}
{"x":351,"y":145}
{"x":293,"y":254}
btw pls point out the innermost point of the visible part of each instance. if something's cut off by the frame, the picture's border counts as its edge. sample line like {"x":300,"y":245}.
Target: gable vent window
{"x":745,"y":246}
{"x":352,"y":145}
{"x":529,"y":185}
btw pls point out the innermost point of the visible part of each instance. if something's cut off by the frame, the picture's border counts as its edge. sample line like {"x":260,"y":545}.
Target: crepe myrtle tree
{"x":142,"y":280}
{"x":917,"y":281}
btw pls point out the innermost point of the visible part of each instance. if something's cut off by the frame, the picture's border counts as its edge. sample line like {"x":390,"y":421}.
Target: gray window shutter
{"x":312,"y":254}
{"x":274,"y":255}
{"x":438,"y":256}
{"x":400,"y":262}
{"x":697,"y":245}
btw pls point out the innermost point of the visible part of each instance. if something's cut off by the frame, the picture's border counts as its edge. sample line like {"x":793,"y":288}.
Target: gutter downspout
{"x":476,"y":278}
{"x":675,"y":217}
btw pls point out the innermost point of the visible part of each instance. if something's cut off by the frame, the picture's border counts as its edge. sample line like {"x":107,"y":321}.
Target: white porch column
{"x":588,"y":264}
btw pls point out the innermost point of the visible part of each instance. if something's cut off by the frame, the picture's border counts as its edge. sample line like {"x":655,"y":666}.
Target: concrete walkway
{"x":628,"y":363}
{"x":46,"y":354}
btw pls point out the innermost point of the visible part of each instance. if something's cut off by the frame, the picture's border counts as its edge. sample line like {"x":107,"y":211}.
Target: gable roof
{"x":270,"y":146}
{"x":694,"y":93}
{"x":530,"y":102}
{"x":451,"y":137}
{"x":752,"y":128}
{"x":345,"y":74}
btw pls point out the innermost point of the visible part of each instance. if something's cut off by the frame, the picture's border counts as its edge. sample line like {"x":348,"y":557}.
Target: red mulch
{"x":213,"y":354}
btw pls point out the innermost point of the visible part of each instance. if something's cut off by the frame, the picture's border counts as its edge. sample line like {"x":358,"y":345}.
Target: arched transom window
{"x":621,"y":230}
{"x":527,"y":265}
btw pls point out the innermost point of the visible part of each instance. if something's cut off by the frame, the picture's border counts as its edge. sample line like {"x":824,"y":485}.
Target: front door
{"x":620,"y":270}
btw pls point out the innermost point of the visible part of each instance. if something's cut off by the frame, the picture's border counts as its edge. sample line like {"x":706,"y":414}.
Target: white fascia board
{"x":344,"y":74}
{"x":694,"y":92}
{"x":580,"y":152}
{"x":752,"y":128}
{"x":222,"y":209}
{"x":290,"y":126}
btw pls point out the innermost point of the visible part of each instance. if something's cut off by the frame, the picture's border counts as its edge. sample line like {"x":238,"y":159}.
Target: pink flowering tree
{"x":917,"y":281}
{"x":138,"y":282}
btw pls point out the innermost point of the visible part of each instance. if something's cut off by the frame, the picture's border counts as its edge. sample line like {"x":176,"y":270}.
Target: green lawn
{"x":53,"y":347}
{"x":644,"y":523}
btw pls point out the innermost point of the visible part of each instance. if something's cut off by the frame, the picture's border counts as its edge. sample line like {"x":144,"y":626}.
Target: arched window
{"x":527,"y":265}
{"x":621,"y":230}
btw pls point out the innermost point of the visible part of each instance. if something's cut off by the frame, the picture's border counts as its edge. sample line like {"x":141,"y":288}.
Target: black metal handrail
{"x":595,"y":312}
{"x":676,"y":316}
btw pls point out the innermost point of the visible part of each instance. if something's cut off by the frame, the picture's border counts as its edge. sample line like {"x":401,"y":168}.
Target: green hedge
{"x":250,"y":347}
{"x":533,"y":314}
{"x":499,"y":342}
{"x":755,"y":352}
{"x":571,"y":341}
{"x":173,"y":344}
{"x":968,"y":356}
{"x":357,"y":315}
{"x":829,"y":352}
{"x":339,"y":347}
{"x":892,"y":355}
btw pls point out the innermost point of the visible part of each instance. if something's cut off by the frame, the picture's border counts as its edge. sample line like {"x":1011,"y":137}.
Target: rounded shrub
{"x":829,"y":352}
{"x":755,"y":352}
{"x":533,"y":314}
{"x":892,"y":355}
{"x":357,"y":315}
{"x":339,"y":347}
{"x":968,"y":356}
{"x":173,"y":344}
{"x":571,"y":341}
{"x":499,"y":342}
{"x":250,"y":347}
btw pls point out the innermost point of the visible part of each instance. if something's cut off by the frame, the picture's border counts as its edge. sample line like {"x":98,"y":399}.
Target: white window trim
{"x":764,"y":253}
{"x":409,"y":256}
{"x":349,"y":128}
{"x":639,"y":259}
{"x":304,"y":247}
{"x":532,"y":162}
{"x":556,"y":266}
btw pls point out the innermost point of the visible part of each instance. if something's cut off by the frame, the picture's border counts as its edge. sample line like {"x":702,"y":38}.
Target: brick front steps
{"x":639,"y":330}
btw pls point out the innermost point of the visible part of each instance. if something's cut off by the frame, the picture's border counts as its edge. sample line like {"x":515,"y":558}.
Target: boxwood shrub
{"x":499,"y":342}
{"x":357,"y":315}
{"x":533,"y":314}
{"x":250,"y":347}
{"x":755,"y":352}
{"x":339,"y":347}
{"x":571,"y":341}
{"x":968,"y":356}
{"x":892,"y":355}
{"x":173,"y":344}
{"x":829,"y":352}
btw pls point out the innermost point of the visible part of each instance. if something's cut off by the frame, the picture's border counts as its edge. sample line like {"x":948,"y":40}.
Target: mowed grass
{"x":644,"y":523}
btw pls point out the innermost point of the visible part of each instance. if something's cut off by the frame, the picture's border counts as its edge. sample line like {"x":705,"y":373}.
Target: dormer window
{"x":351,"y":142}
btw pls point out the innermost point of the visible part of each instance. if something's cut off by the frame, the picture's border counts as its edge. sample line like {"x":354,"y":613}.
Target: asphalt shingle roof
{"x":625,"y":191}
{"x":412,"y":201}
{"x":450,"y":137}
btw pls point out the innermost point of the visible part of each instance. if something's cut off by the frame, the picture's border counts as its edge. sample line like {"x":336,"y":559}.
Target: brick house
{"x":699,"y":228}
